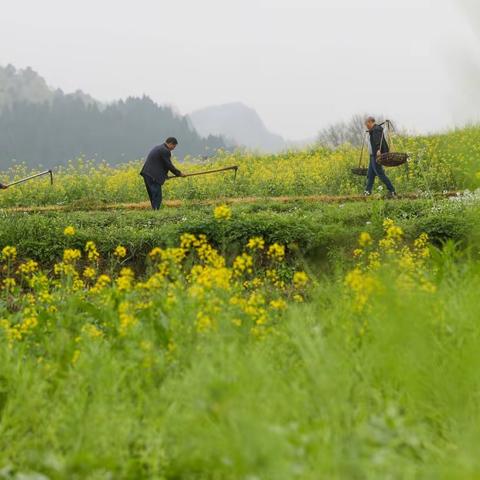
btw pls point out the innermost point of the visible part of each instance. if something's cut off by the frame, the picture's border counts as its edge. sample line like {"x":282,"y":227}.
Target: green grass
{"x":314,"y":231}
{"x":438,"y":163}
{"x":313,"y":400}
{"x":325,"y":389}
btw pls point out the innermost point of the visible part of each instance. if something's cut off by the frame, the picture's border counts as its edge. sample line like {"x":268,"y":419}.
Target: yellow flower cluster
{"x":66,"y":269}
{"x":71,"y":255}
{"x":92,"y":331}
{"x":120,"y":252}
{"x":9,"y":253}
{"x":69,"y":231}
{"x":9,"y":283}
{"x":407,"y":263}
{"x":362,"y":284}
{"x":253,"y":289}
{"x":127,"y":317}
{"x":276,"y":252}
{"x":174,"y":255}
{"x":89,"y":273}
{"x":243,"y":264}
{"x":92,"y":252}
{"x":102,"y":282}
{"x":204,"y":322}
{"x":256,"y":243}
{"x":28,"y":267}
{"x":222,"y":213}
{"x":300,"y":280}
{"x":125,"y":280}
{"x":17,"y":331}
{"x":365,"y":240}
{"x":274,"y":278}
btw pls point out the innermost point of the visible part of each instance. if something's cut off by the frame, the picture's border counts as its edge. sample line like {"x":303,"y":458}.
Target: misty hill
{"x":240,"y":124}
{"x":26,"y":85}
{"x":43,"y":126}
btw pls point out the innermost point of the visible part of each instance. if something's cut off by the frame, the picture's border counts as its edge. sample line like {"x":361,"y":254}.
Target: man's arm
{"x":377,"y":138}
{"x":171,"y":167}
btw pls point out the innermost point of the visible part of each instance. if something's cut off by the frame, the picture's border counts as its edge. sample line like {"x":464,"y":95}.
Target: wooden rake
{"x":210,"y":172}
{"x":31,"y":177}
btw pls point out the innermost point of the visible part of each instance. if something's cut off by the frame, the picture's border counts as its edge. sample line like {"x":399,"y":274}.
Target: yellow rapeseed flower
{"x":393,"y":232}
{"x":92,"y":252}
{"x":365,"y":240}
{"x":120,"y":252}
{"x":27,"y":268}
{"x":187,"y":241}
{"x":256,"y":243}
{"x":127,"y":318}
{"x":222,"y":213}
{"x":92,"y":331}
{"x":102,"y":282}
{"x":243,"y":264}
{"x":71,"y":255}
{"x":69,"y":231}
{"x":9,"y":253}
{"x":300,"y":280}
{"x":278,"y":304}
{"x":89,"y":273}
{"x":125,"y":280}
{"x":276,"y":252}
{"x":204,"y":322}
{"x":9,"y":283}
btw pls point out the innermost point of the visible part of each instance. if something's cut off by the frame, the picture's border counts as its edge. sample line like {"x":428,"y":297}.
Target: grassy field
{"x":314,"y":231}
{"x":269,"y":340}
{"x":438,"y":163}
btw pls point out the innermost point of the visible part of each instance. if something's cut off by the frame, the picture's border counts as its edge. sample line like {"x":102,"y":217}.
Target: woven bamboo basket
{"x":362,"y":172}
{"x":392,"y":159}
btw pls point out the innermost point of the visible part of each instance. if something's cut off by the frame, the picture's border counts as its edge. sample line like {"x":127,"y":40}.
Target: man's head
{"x":370,"y":122}
{"x":171,"y":143}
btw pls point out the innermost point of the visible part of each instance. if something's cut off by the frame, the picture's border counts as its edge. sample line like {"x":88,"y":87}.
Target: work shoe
{"x":367,"y":194}
{"x":392,"y":195}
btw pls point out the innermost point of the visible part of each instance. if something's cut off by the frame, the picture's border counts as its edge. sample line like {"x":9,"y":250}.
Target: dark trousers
{"x":154,"y":190}
{"x":376,"y":170}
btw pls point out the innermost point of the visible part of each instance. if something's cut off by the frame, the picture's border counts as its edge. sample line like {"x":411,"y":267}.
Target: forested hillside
{"x":42,"y":126}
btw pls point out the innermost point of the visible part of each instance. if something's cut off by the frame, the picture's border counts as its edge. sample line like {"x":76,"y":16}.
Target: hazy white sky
{"x":300,"y":63}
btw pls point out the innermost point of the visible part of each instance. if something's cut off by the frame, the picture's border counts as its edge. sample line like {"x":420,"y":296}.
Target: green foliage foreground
{"x":313,"y":230}
{"x":375,"y":377}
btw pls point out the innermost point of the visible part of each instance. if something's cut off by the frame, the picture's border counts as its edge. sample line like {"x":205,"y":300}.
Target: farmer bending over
{"x":377,"y":145}
{"x":156,"y":168}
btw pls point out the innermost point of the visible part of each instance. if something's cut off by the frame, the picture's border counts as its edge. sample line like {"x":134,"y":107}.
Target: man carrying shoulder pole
{"x":156,"y":168}
{"x":377,"y":145}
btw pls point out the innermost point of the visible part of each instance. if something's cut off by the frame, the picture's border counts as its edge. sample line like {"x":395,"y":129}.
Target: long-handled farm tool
{"x":208,"y":172}
{"x":31,"y":177}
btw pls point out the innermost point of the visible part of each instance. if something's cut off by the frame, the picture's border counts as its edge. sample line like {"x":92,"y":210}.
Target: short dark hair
{"x":171,"y":141}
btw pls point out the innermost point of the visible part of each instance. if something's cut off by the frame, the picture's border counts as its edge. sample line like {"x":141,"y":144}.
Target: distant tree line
{"x":341,"y":133}
{"x":51,"y":133}
{"x":40,"y":125}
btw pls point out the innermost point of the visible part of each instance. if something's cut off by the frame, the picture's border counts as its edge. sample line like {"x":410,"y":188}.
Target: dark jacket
{"x":378,"y":140}
{"x":158,"y":164}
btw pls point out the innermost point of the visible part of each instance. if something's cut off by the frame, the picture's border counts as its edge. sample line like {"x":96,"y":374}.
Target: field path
{"x":217,"y":201}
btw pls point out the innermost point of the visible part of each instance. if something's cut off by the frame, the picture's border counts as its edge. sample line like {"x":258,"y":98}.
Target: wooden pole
{"x":208,"y":172}
{"x":31,"y":177}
